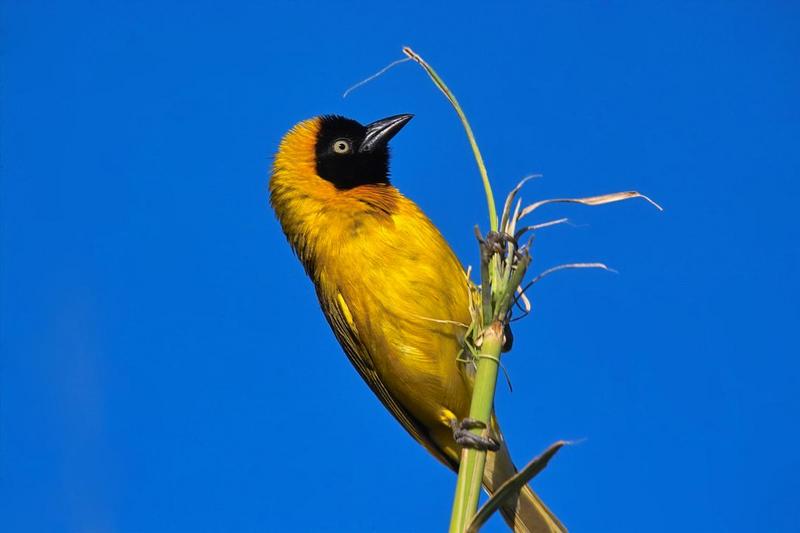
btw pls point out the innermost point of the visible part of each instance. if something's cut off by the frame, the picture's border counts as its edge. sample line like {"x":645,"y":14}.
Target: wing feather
{"x":341,"y":321}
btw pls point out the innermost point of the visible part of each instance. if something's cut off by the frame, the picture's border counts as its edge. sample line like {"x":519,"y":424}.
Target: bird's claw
{"x":466,"y":439}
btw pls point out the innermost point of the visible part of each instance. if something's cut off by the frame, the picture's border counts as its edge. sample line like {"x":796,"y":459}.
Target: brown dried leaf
{"x":541,"y":225}
{"x":510,"y":199}
{"x":549,"y":271}
{"x":590,"y":200}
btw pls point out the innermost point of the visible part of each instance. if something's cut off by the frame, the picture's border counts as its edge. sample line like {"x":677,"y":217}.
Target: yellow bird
{"x":390,"y":286}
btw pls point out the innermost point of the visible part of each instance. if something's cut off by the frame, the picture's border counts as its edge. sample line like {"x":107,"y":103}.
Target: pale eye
{"x":342,"y":146}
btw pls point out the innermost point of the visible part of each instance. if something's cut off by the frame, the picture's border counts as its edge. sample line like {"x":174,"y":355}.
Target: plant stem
{"x":502,"y":273}
{"x":470,"y":471}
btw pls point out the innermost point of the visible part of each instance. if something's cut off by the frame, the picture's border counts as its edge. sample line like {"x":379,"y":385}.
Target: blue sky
{"x":165,"y":366}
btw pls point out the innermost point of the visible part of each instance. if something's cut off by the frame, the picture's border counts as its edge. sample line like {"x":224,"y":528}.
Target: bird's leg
{"x":466,"y":439}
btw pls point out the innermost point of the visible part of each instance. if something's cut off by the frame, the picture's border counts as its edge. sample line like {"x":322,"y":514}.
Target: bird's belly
{"x":417,"y":360}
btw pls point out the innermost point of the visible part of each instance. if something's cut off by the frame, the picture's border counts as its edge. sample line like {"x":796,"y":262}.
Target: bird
{"x":391,"y":288}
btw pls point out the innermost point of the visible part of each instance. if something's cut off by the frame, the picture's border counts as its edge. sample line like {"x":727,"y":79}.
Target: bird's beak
{"x":381,"y":131}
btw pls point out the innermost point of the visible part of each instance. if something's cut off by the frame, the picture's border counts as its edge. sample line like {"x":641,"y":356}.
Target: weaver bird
{"x":391,"y":288}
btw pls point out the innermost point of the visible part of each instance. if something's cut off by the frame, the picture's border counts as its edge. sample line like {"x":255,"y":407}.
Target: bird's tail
{"x":524,"y":512}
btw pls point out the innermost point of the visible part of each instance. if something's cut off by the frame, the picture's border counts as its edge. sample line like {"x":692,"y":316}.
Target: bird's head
{"x":339,"y":150}
{"x":349,"y":154}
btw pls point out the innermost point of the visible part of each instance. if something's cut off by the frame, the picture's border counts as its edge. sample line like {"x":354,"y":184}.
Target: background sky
{"x":165,"y":366}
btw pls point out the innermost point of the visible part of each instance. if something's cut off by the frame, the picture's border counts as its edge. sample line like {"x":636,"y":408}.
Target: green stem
{"x":486,"y":285}
{"x":501,"y":275}
{"x":470,"y":471}
{"x":510,"y":287}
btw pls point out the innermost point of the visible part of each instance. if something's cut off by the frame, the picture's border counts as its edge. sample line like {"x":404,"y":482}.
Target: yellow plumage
{"x":394,"y":293}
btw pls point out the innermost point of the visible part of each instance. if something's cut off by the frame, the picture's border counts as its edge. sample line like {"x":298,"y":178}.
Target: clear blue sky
{"x":165,"y":366}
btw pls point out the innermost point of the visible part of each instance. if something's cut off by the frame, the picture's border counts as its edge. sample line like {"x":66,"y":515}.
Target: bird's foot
{"x":466,"y":439}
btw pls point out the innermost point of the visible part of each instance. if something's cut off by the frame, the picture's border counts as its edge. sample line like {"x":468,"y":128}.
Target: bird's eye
{"x":342,"y":146}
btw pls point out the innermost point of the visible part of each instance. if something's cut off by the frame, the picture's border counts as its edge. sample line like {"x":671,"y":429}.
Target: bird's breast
{"x":407,"y":296}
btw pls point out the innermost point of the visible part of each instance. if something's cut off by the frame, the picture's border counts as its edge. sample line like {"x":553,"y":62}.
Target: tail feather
{"x":526,"y":513}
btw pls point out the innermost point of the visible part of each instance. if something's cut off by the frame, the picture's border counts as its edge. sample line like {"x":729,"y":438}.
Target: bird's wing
{"x":341,"y":321}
